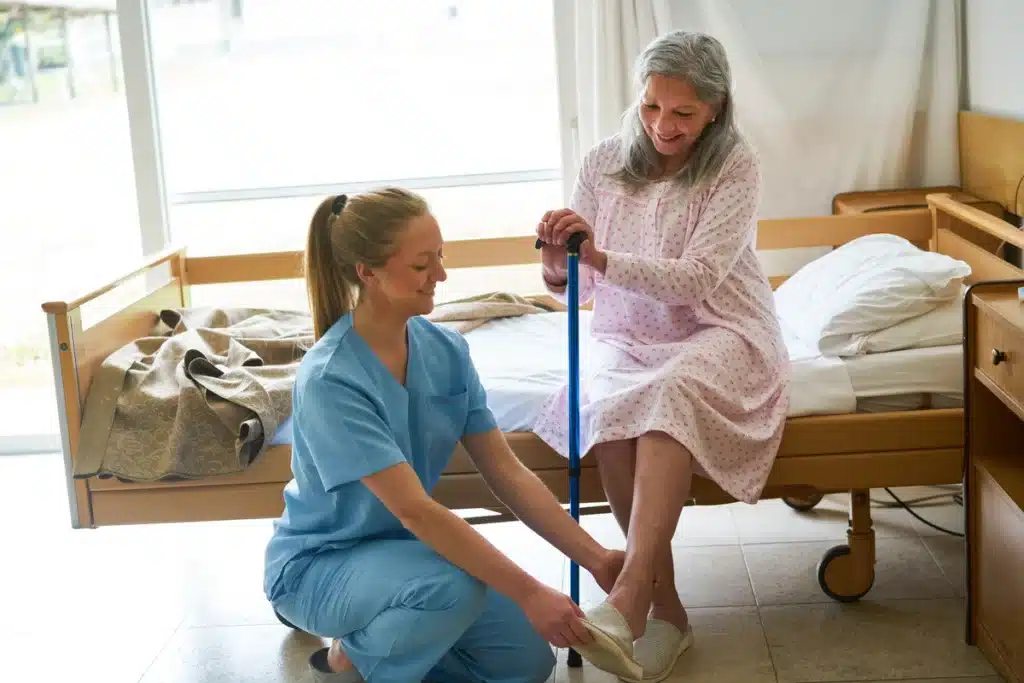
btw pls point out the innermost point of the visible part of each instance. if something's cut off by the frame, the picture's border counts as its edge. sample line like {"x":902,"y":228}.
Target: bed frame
{"x":818,"y":455}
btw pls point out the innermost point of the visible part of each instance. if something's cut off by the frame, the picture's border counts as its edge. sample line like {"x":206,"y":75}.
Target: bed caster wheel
{"x":841,"y":578}
{"x":575,"y":659}
{"x":804,"y":503}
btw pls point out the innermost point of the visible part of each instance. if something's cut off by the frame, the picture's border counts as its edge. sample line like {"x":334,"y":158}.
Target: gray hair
{"x":701,"y":61}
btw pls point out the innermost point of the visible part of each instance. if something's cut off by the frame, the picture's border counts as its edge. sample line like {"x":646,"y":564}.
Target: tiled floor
{"x":183,"y":603}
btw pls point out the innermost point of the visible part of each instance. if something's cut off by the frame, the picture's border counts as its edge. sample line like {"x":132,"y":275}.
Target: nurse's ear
{"x":365,"y":274}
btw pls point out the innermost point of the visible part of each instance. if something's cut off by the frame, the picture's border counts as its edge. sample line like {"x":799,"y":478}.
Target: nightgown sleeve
{"x":726,"y":228}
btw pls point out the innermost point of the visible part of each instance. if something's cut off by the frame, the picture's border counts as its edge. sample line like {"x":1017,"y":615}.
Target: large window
{"x":67,"y":195}
{"x":219,"y":124}
{"x":265,"y":106}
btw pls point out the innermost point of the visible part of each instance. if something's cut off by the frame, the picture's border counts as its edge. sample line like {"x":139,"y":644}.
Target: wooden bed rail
{"x":944,"y":205}
{"x":783,"y":233}
{"x":173,"y":255}
{"x":287,"y":265}
{"x":914,"y":225}
{"x":975,"y":236}
{"x":77,"y":350}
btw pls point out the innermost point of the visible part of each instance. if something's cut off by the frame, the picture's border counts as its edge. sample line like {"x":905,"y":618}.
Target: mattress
{"x":910,"y":379}
{"x":522,"y":361}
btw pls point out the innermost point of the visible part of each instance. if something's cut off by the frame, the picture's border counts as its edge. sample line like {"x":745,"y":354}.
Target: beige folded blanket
{"x":207,"y":391}
{"x":202,"y":396}
{"x":464,"y":315}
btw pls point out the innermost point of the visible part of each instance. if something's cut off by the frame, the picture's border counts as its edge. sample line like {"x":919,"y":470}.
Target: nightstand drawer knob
{"x":998,"y":356}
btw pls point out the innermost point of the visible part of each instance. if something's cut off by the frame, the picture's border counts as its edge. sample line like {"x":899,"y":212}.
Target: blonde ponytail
{"x":345,"y":232}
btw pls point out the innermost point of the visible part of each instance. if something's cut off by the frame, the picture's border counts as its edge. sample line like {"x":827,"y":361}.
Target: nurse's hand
{"x":556,"y":617}
{"x":607,"y":572}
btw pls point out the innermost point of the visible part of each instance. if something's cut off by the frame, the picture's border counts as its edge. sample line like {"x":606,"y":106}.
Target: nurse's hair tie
{"x":339,"y":204}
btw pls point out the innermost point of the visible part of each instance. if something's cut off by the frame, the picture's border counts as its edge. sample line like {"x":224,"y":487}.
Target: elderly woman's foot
{"x":632,"y":601}
{"x":671,"y":611}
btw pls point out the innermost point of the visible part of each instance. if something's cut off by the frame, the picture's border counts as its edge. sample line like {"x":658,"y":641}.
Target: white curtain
{"x":609,"y":34}
{"x":835,"y":95}
{"x":839,"y":95}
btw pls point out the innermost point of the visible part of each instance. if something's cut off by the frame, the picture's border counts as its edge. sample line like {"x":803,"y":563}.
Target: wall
{"x":995,"y":57}
{"x":995,"y":65}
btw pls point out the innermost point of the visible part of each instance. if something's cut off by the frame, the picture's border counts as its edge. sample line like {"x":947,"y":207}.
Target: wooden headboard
{"x":992,"y":158}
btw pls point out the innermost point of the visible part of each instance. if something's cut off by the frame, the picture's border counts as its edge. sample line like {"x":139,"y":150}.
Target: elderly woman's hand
{"x":554,"y":230}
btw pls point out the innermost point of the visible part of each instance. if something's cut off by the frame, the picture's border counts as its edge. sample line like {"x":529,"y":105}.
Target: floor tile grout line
{"x":248,"y":624}
{"x":853,"y":605}
{"x":789,"y":540}
{"x":942,"y":570}
{"x":750,"y":578}
{"x":760,"y":620}
{"x":767,"y":645}
{"x":160,"y":651}
{"x":877,"y":602}
{"x":938,"y":565}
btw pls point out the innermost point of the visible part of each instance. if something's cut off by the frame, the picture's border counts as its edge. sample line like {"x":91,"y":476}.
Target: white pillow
{"x":942,"y":326}
{"x":869,"y":284}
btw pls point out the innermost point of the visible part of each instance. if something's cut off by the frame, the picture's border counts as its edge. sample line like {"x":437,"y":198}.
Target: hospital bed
{"x":906,"y":429}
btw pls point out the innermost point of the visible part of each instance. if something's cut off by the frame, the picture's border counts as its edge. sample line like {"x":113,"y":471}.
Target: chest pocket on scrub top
{"x":444,"y":419}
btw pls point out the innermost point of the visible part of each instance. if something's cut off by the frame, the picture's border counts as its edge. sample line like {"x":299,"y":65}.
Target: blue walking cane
{"x":572,"y":264}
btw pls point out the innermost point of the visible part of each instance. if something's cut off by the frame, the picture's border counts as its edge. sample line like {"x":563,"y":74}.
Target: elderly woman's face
{"x":672,"y":115}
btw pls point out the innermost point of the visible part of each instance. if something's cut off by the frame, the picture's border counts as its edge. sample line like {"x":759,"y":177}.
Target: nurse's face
{"x":408,"y":279}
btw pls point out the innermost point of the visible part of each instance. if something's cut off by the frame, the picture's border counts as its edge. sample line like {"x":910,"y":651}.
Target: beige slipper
{"x":612,"y":647}
{"x":658,"y":650}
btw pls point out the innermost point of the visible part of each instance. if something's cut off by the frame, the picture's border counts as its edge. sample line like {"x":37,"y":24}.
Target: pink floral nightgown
{"x":685,"y":338}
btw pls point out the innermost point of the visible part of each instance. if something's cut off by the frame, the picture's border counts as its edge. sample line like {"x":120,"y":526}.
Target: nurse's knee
{"x":451,"y":591}
{"x":533,"y":664}
{"x":528,"y":657}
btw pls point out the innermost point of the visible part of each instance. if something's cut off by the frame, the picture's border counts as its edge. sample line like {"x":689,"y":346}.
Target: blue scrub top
{"x":352,"y":418}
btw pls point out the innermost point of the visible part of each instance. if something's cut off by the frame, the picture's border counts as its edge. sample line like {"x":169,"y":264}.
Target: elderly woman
{"x":688,"y":372}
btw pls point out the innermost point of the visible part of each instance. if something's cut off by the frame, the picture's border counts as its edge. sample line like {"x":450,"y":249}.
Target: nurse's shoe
{"x":320,"y":672}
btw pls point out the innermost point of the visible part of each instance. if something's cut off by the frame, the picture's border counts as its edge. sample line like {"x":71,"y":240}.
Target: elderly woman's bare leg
{"x":664,"y":469}
{"x":616,"y":464}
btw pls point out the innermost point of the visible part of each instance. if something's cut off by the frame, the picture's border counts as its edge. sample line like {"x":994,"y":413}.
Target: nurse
{"x":406,"y":589}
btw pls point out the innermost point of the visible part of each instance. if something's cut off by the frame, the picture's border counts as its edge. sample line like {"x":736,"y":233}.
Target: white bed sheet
{"x":936,"y":370}
{"x":521,"y":361}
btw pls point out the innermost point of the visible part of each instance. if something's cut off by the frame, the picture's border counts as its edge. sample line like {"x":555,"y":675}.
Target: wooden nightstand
{"x":994,"y":482}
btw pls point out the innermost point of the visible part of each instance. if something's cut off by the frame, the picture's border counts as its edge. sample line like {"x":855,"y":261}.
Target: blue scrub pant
{"x":403,"y":613}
